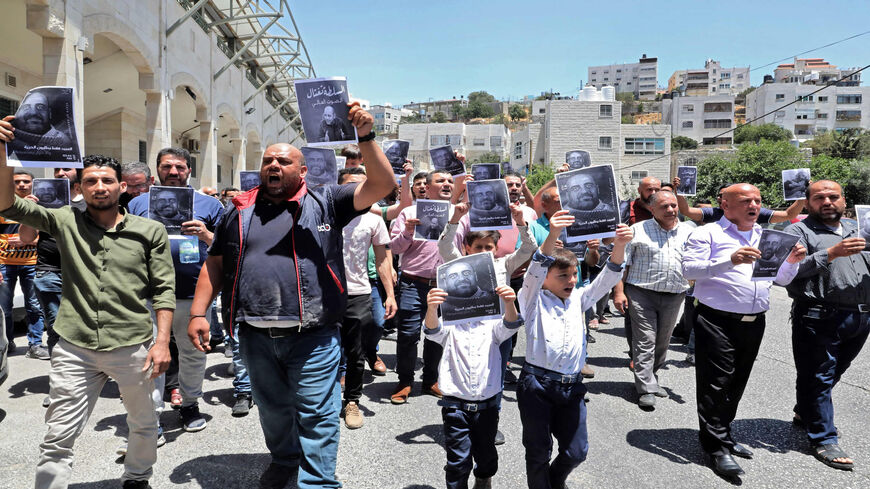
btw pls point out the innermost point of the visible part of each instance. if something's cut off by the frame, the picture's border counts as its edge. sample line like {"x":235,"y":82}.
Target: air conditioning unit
{"x":192,"y":145}
{"x":11,"y":80}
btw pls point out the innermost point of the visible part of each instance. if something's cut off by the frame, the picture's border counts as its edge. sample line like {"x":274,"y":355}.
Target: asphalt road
{"x":400,"y":446}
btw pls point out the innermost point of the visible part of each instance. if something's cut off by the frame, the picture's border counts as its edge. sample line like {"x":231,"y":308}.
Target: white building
{"x":472,"y":140}
{"x":638,"y":78}
{"x":713,"y":79}
{"x":815,"y":71}
{"x":428,"y":109}
{"x":386,"y":118}
{"x":700,"y":118}
{"x":214,"y":79}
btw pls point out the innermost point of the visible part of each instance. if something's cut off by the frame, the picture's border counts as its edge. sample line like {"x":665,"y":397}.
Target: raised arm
{"x":379,"y":173}
{"x":447,"y":246}
{"x":790,"y":213}
{"x":7,"y":186}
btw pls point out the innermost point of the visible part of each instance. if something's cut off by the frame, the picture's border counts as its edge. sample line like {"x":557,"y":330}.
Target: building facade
{"x":703,"y":119}
{"x":711,"y":80}
{"x":638,"y":78}
{"x":472,"y":140}
{"x":428,"y":109}
{"x":386,"y":118}
{"x":815,"y":71}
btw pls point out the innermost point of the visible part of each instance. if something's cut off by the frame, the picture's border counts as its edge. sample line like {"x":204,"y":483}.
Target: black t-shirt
{"x":47,"y":256}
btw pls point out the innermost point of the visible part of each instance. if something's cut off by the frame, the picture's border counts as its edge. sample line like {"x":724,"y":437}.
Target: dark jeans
{"x":549,"y":409}
{"x":26,"y":274}
{"x":469,"y":438}
{"x":49,"y":287}
{"x":412,"y":306}
{"x":824,"y":341}
{"x":294,"y":380}
{"x":370,"y":341}
{"x":725,"y":351}
{"x":356,"y":324}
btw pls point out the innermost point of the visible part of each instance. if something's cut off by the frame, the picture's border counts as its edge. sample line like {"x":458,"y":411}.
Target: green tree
{"x":539,"y":175}
{"x":477,"y":109}
{"x":498,"y":119}
{"x":480,"y":96}
{"x":753,"y":134}
{"x":640,"y":107}
{"x":439,"y":117}
{"x":517,"y":112}
{"x":414,"y":118}
{"x":490,"y":158}
{"x":846,"y":144}
{"x":627,"y":119}
{"x":856,"y":187}
{"x":683,"y":142}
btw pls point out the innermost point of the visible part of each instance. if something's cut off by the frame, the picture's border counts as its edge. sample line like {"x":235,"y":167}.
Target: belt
{"x":469,"y":406}
{"x":864,"y":308}
{"x":431,"y":282}
{"x":746,"y":318}
{"x":549,"y":374}
{"x":275,"y":332}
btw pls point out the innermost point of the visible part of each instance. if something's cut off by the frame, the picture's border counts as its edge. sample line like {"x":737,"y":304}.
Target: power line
{"x":751,"y":121}
{"x":809,"y":51}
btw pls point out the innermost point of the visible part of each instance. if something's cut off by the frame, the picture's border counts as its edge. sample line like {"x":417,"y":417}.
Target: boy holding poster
{"x":550,"y":390}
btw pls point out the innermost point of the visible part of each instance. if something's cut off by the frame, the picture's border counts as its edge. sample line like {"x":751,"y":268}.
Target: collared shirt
{"x":510,"y":239}
{"x":471,"y":364}
{"x":844,"y":281}
{"x":504,"y":266}
{"x":721,"y":285}
{"x":416,"y":256}
{"x":637,"y":212}
{"x":555,"y":329}
{"x":654,"y":257}
{"x":108,"y":274}
{"x":540,"y":228}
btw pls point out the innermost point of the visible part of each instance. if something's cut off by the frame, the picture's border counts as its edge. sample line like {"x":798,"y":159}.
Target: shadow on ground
{"x":433,"y":433}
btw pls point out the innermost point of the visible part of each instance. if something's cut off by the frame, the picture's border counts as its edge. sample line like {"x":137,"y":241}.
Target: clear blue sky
{"x":400,"y":51}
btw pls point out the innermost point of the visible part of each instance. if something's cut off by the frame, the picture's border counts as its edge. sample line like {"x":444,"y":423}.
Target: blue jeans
{"x":294,"y":380}
{"x":549,"y":409}
{"x":370,"y":342}
{"x":412,"y":305}
{"x":241,"y":382}
{"x":49,"y":287}
{"x":26,"y":273}
{"x":469,"y":439}
{"x":824,"y":342}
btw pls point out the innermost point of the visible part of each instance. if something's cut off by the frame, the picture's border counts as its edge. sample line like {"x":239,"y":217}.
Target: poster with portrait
{"x":322,"y":166}
{"x":490,"y":205}
{"x":248,"y":179}
{"x":433,"y":216}
{"x":470,"y":285}
{"x":443,"y":158}
{"x":688,"y":176}
{"x":51,"y":192}
{"x":577,"y":158}
{"x":589,"y":194}
{"x":340,"y":161}
{"x":579,"y":248}
{"x":862,"y":213}
{"x":775,"y":247}
{"x":45,"y":130}
{"x":396,"y":151}
{"x":486,"y":171}
{"x":323,"y":109}
{"x":172,"y":206}
{"x":795,"y":183}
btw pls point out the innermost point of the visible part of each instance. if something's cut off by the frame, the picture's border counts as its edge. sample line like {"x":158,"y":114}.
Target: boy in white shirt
{"x":470,"y":380}
{"x":550,"y":390}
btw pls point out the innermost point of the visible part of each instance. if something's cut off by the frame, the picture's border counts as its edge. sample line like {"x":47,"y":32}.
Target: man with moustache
{"x":485,"y":201}
{"x":33,"y":127}
{"x":830,"y":314}
{"x":137,"y":176}
{"x":332,"y":128}
{"x":278,"y":257}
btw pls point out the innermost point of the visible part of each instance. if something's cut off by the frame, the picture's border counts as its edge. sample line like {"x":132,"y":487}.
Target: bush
{"x":754,"y":134}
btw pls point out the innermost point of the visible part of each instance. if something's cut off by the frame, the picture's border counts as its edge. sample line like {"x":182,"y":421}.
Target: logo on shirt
{"x":324,"y":228}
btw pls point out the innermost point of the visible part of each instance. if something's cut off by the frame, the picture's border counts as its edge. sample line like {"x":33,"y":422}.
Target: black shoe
{"x":510,"y":377}
{"x":590,"y":338}
{"x":725,"y":466}
{"x":136,"y":485}
{"x":243,"y":405}
{"x":739,"y":450}
{"x":10,"y":348}
{"x":191,"y":419}
{"x":277,"y":476}
{"x":499,"y":438}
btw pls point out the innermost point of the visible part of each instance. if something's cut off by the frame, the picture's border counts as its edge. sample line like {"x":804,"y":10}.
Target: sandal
{"x":830,"y":452}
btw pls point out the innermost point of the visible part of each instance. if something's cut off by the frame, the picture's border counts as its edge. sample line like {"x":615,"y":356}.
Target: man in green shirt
{"x":112,"y":263}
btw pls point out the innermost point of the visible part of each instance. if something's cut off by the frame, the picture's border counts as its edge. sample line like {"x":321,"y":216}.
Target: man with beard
{"x":114,"y":263}
{"x":577,"y":159}
{"x":583,"y":200}
{"x":166,"y":209}
{"x":332,"y":128}
{"x":485,"y":201}
{"x":771,"y":252}
{"x":47,"y":195}
{"x":830,"y":314}
{"x":33,"y":127}
{"x":316,"y":166}
{"x":795,"y":187}
{"x":283,"y":281}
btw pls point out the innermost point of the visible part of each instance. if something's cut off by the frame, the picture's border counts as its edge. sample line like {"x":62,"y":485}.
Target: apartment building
{"x":713,"y":79}
{"x":700,"y":118}
{"x":432,"y":107}
{"x":387,"y":118}
{"x":836,"y":108}
{"x":638,"y":78}
{"x":472,"y":140}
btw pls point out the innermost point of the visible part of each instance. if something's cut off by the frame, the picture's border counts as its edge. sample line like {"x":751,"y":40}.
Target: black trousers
{"x":357,"y":322}
{"x":725,"y":350}
{"x":469,"y":439}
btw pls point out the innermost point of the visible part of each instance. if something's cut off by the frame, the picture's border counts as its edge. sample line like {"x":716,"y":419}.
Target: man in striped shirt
{"x":655,"y":288}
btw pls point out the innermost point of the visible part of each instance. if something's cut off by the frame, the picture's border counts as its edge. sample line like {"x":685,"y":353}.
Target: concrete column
{"x":207,"y":163}
{"x":157,"y":130}
{"x":240,"y":153}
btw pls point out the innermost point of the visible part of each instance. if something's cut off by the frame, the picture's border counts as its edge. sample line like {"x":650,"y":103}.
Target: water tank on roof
{"x":588,"y":93}
{"x":609,"y":93}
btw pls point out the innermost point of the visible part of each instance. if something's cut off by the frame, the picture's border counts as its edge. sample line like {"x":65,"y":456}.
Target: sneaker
{"x":38,"y":352}
{"x":46,"y":401}
{"x":499,"y":438}
{"x":590,"y":338}
{"x":647,"y":401}
{"x":231,"y":369}
{"x":353,"y":418}
{"x":10,"y":348}
{"x":690,"y":358}
{"x":228,"y":351}
{"x":191,"y":419}
{"x":136,"y":485}
{"x":277,"y":476}
{"x":661,"y":392}
{"x":510,"y":377}
{"x":243,"y":405}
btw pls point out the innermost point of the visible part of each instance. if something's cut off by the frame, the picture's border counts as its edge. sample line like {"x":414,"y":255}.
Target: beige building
{"x":472,"y":140}
{"x":216,"y":79}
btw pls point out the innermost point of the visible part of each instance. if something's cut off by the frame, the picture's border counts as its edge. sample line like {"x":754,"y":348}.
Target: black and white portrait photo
{"x":45,"y":130}
{"x":688,"y":176}
{"x":795,"y":183}
{"x":171,"y":205}
{"x":775,"y":247}
{"x":443,"y":158}
{"x":470,"y":285}
{"x":433,"y":216}
{"x":248,"y":179}
{"x":396,"y":151}
{"x":322,"y":166}
{"x":490,"y":208}
{"x":579,"y":248}
{"x":51,"y":192}
{"x":589,"y":194}
{"x":486,"y":171}
{"x":323,"y":108}
{"x":340,"y":161}
{"x":862,"y":214}
{"x":577,"y":158}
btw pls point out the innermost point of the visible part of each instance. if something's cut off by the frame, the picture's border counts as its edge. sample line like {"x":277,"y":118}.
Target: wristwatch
{"x":367,"y":137}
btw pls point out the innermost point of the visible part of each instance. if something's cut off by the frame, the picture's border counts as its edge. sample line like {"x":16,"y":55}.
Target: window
{"x":848,"y":115}
{"x":8,"y":107}
{"x":605,"y":110}
{"x":821,"y":115}
{"x":478,"y":142}
{"x":717,"y":124}
{"x":780,"y":97}
{"x":454,"y":140}
{"x":542,"y":110}
{"x":219,"y":171}
{"x":717,"y":107}
{"x":848,"y":99}
{"x":638,"y":175}
{"x":437,"y":140}
{"x":805,"y":98}
{"x":709,"y":141}
{"x":379,"y":116}
{"x":740,"y":76}
{"x":193,"y":166}
{"x":495,"y":141}
{"x":724,"y":86}
{"x":688,"y":124}
{"x":605,"y":78}
{"x":688,"y":108}
{"x":726,"y":74}
{"x":518,"y":150}
{"x":143,"y":151}
{"x":823,"y":98}
{"x":644,"y":146}
{"x":691,"y":161}
{"x":779,"y":114}
{"x":605,"y":142}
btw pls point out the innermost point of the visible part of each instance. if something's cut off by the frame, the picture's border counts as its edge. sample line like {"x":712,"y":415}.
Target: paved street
{"x":399,"y":446}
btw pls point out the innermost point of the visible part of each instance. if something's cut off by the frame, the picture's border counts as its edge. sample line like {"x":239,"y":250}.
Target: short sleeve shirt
{"x":364,"y":231}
